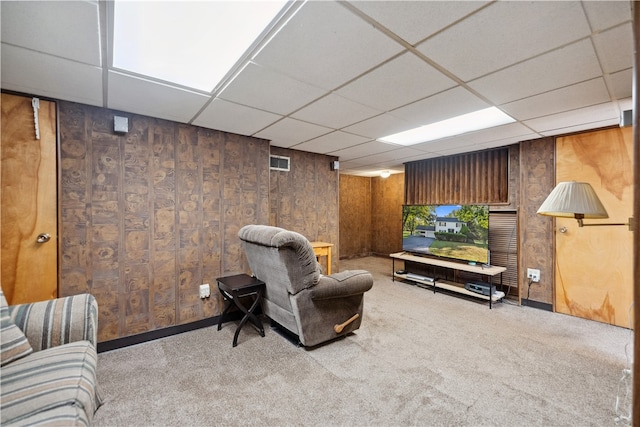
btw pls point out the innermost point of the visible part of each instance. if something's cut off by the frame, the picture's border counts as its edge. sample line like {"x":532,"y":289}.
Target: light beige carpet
{"x":419,"y":359}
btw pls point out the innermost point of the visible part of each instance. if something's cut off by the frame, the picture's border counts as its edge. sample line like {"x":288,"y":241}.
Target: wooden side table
{"x":235,"y":287}
{"x":323,"y":249}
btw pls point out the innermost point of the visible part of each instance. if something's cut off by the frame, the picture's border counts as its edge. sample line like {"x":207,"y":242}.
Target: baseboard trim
{"x":537,"y":304}
{"x":163,"y":333}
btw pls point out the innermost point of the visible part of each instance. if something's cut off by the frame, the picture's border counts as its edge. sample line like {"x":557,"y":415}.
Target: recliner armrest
{"x":58,"y":321}
{"x":340,"y":285}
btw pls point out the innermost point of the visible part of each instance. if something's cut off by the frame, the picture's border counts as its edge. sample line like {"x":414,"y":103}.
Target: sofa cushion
{"x":13,"y":342}
{"x":49,"y":380}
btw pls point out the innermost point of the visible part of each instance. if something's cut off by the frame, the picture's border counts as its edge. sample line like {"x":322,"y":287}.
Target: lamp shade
{"x":573,"y":199}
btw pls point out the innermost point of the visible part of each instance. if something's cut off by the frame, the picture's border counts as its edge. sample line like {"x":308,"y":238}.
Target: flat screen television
{"x":457,"y":232}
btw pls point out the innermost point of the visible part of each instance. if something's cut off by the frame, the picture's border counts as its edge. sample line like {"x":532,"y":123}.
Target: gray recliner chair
{"x":314,"y":307}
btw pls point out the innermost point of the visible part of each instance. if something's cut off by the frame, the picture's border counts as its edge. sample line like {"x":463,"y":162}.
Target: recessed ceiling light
{"x":481,"y":119}
{"x":194,"y":44}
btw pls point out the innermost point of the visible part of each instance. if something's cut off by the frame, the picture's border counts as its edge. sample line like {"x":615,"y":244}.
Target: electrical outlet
{"x":205,"y":291}
{"x":533,"y":274}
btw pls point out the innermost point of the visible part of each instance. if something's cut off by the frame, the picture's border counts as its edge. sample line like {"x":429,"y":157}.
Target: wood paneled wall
{"x":355,"y":216}
{"x":537,"y":179}
{"x":594,"y":265}
{"x":370,"y":215}
{"x":148,"y":216}
{"x":479,"y":177}
{"x":305,"y":199}
{"x":386,"y":214}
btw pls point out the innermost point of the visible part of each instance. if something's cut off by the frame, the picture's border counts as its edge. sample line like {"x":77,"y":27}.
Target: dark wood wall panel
{"x":148,"y":216}
{"x":355,"y":216}
{"x":537,"y":179}
{"x":305,"y":199}
{"x":479,"y":177}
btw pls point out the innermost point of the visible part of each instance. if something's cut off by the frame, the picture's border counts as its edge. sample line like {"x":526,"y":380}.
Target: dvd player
{"x":483,"y":288}
{"x":419,"y":277}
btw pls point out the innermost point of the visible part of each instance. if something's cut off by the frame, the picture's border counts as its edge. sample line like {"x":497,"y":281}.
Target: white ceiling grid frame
{"x":398,"y":82}
{"x":230,"y":117}
{"x":331,"y":55}
{"x":592,"y":92}
{"x":379,"y":126}
{"x":531,"y":77}
{"x":334,"y":111}
{"x":152,"y":98}
{"x":80,"y":40}
{"x":36,"y":73}
{"x":262,"y":88}
{"x":288,"y":132}
{"x":414,"y":21}
{"x":444,"y":105}
{"x":330,"y":142}
{"x":505,"y":33}
{"x":369,"y":39}
{"x":601,"y":115}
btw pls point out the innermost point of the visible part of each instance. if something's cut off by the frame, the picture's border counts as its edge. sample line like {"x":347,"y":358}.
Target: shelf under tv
{"x":453,"y":286}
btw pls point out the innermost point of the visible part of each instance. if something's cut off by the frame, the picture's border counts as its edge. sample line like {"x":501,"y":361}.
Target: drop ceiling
{"x":332,"y":77}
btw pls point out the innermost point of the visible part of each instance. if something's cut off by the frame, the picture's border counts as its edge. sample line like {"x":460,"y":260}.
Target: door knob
{"x":43,"y":238}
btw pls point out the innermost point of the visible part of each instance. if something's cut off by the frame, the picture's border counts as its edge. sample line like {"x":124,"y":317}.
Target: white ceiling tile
{"x":591,"y":92}
{"x":331,"y":142}
{"x":362,"y":150}
{"x":509,"y":141}
{"x":154,"y":99}
{"x":606,"y":14}
{"x":235,"y":118}
{"x":32,"y":24}
{"x":398,"y":154}
{"x":45,"y":75}
{"x":571,"y":64}
{"x":505,"y":33}
{"x":444,"y":105}
{"x":622,"y":83}
{"x":413,"y":21}
{"x":399,"y":82}
{"x":589,"y":116}
{"x":625,"y":104}
{"x":335,"y":111}
{"x":288,"y":132}
{"x":378,"y":126}
{"x":510,"y":130}
{"x":326,"y":45}
{"x":262,"y":88}
{"x":615,"y":48}
{"x":581,"y":127}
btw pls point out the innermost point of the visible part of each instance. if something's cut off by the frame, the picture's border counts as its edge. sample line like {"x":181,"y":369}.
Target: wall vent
{"x":279,"y":163}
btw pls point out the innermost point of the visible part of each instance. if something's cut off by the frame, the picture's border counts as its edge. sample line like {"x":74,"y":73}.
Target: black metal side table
{"x":235,"y":287}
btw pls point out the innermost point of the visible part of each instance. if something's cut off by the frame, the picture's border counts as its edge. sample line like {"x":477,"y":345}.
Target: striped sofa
{"x":48,"y":371}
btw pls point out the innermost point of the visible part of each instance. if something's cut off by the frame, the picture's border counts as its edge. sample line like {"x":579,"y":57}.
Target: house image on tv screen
{"x":449,"y":225}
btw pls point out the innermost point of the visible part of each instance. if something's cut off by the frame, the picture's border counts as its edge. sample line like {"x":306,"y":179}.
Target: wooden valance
{"x":470,"y":178}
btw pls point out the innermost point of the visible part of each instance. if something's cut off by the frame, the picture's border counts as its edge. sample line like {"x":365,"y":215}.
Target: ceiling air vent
{"x":279,"y":163}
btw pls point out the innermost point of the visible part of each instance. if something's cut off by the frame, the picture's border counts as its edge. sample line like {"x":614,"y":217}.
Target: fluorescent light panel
{"x":194,"y":44}
{"x":481,"y":119}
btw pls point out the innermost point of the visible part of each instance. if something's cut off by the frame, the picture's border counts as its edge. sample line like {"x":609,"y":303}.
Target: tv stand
{"x":482,"y":270}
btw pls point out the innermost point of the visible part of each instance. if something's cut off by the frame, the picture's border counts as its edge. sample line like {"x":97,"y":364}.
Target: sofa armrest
{"x":58,"y":321}
{"x":340,"y":285}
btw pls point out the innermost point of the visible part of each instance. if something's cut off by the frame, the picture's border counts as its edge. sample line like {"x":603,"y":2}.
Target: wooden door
{"x":29,"y":201}
{"x":594,"y":265}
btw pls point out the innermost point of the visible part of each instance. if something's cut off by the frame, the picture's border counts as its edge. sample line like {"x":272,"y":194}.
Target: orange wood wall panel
{"x":29,"y":203}
{"x":386,"y":214}
{"x":594,"y":265}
